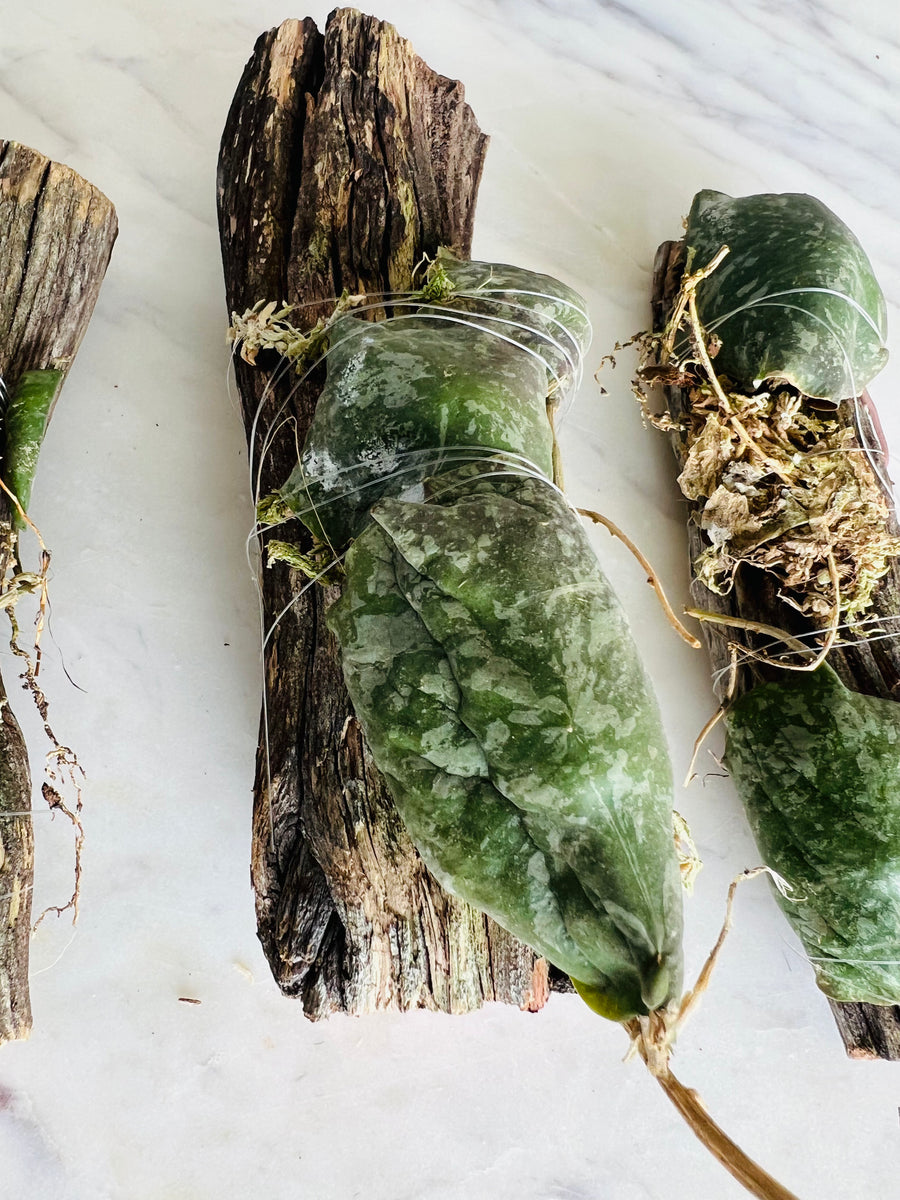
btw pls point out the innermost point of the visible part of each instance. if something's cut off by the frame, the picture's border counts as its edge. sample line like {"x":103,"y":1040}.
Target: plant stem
{"x":652,"y":577}
{"x":741,"y":1167}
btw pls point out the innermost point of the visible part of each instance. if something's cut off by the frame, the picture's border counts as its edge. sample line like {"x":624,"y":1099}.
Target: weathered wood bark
{"x":873,"y":668}
{"x":16,"y":877}
{"x":344,"y":159}
{"x":56,"y":237}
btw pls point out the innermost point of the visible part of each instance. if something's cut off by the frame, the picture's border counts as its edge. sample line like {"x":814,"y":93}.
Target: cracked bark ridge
{"x":873,"y":668}
{"x":56,"y":237}
{"x":344,"y":159}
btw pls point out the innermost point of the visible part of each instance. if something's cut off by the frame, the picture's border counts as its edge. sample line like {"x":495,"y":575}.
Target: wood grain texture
{"x":56,"y":236}
{"x":872,"y":668}
{"x":344,"y":160}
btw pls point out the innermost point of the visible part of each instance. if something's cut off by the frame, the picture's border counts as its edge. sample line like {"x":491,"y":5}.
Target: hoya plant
{"x":794,"y":301}
{"x":487,"y":657}
{"x":775,"y":332}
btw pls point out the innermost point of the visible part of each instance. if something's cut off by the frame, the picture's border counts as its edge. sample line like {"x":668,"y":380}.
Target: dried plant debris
{"x":795,"y":490}
{"x":265,"y":326}
{"x":781,"y":482}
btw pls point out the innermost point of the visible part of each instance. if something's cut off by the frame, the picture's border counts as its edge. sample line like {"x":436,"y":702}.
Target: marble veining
{"x":605,"y":119}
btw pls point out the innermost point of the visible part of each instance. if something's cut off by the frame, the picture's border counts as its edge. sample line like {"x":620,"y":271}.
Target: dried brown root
{"x":63,"y":772}
{"x":698,"y":743}
{"x":652,"y":1037}
{"x":757,"y":1181}
{"x":652,"y":577}
{"x":645,"y":1035}
{"x":809,"y":664}
{"x":717,"y":716}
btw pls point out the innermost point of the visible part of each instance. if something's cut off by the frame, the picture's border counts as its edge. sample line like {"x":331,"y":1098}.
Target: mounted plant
{"x":56,"y":237}
{"x":771,"y":327}
{"x":485,"y":654}
{"x":484,"y":651}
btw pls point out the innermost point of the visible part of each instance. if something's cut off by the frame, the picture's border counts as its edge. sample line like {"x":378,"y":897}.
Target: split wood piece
{"x":56,"y":238}
{"x":869,"y":667}
{"x":344,"y":160}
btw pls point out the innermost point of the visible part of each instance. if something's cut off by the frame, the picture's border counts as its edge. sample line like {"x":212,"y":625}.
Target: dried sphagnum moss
{"x":800,"y":492}
{"x":783,"y":486}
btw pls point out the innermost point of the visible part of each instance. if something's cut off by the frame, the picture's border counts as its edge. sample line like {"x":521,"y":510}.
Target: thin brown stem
{"x":698,"y":337}
{"x":739,"y":1165}
{"x":688,"y":286}
{"x":690,"y":999}
{"x":779,"y":634}
{"x":717,"y":715}
{"x":555,"y":452}
{"x":701,"y":738}
{"x":652,"y":577}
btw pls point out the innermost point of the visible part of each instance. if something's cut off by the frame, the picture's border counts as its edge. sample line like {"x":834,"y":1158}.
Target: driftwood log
{"x":870,"y":667}
{"x":56,"y":237}
{"x":344,"y":160}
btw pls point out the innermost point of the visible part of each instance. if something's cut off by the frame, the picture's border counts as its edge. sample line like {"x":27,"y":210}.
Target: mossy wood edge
{"x":873,"y":668}
{"x":344,"y":160}
{"x":56,"y":237}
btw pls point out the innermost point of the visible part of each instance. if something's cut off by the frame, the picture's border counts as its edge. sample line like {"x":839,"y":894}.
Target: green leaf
{"x":504,"y":701}
{"x":818,"y":769}
{"x":795,"y":300}
{"x":23,"y":427}
{"x":409,"y":396}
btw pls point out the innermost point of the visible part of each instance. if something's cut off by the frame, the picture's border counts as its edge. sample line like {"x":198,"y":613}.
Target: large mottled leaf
{"x":434,"y":384}
{"x":818,"y":769}
{"x":504,"y":701}
{"x":795,"y":299}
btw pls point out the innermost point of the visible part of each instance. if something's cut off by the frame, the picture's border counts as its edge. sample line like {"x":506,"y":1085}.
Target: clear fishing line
{"x":513,"y":291}
{"x":296,"y":596}
{"x":849,"y":962}
{"x":425,"y":459}
{"x":366,"y":328}
{"x":498,"y":296}
{"x":856,"y":962}
{"x":425,"y":311}
{"x":563,"y":375}
{"x":801,"y":292}
{"x":820,"y":321}
{"x":773,"y":643}
{"x":57,"y":960}
{"x":573,"y":360}
{"x":27,"y":886}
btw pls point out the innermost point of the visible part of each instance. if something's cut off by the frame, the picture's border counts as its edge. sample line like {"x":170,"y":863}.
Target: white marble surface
{"x":605,"y":118}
